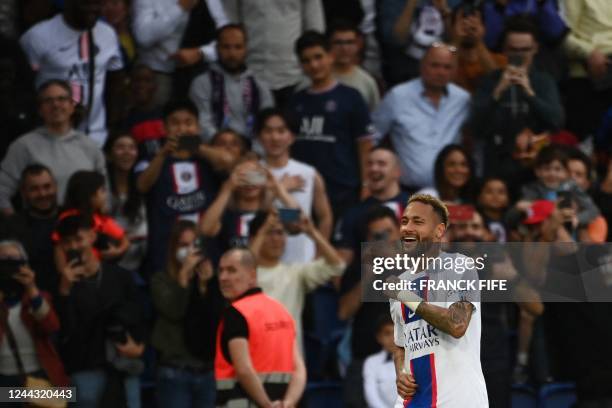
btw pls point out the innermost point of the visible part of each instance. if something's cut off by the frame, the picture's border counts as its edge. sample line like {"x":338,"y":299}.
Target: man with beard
{"x":38,"y":218}
{"x":229,"y":95}
{"x":77,"y":47}
{"x":439,"y":330}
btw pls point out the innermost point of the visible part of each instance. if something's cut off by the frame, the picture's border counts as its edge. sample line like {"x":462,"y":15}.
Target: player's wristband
{"x":411,"y":300}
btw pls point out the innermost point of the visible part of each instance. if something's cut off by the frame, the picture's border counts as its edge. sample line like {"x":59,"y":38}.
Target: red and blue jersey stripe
{"x":424,"y":372}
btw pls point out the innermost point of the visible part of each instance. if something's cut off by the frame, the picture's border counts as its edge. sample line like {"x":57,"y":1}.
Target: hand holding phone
{"x":289,"y":215}
{"x":189,"y":143}
{"x":255,"y":178}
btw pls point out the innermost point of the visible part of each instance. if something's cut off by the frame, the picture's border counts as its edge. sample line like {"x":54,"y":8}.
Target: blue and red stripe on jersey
{"x":424,"y":372}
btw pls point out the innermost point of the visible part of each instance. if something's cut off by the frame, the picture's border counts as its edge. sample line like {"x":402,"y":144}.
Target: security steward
{"x":258,"y":362}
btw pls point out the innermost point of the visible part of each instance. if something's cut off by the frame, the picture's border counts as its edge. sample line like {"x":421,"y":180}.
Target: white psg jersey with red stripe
{"x":447,"y":370}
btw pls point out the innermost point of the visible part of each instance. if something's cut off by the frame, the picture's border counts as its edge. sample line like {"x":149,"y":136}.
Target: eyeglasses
{"x":51,"y":99}
{"x":439,"y":44}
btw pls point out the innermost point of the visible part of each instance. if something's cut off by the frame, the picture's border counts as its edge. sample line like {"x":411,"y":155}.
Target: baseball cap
{"x":539,"y":211}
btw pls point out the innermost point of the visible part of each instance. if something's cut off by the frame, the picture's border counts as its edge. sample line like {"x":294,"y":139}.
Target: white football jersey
{"x":447,"y":370}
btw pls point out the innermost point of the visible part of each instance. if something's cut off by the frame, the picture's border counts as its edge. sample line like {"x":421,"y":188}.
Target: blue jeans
{"x":178,"y":388}
{"x":90,"y":386}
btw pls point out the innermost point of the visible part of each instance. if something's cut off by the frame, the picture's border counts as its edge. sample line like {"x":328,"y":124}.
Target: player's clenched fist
{"x":406,"y":386}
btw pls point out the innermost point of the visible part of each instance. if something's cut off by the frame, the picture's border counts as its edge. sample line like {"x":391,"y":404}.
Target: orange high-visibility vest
{"x":271,"y":338}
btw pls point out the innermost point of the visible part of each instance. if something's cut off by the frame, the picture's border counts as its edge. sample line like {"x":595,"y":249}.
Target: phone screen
{"x":288,"y":215}
{"x":565,"y":199}
{"x":189,"y":143}
{"x":516,"y":60}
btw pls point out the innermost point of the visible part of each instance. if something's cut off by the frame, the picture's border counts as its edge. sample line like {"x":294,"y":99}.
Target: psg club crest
{"x":330,"y":106}
{"x":186,"y":176}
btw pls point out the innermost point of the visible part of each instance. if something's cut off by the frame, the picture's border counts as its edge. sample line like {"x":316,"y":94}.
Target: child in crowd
{"x":555,"y":184}
{"x":493,"y":201}
{"x":379,"y":369}
{"x":87,"y":195}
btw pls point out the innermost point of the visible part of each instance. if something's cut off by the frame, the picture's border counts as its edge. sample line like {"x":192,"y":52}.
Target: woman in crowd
{"x":27,"y":324}
{"x":493,"y":202}
{"x":250,"y":188}
{"x":453,"y":176}
{"x":127,"y":206}
{"x":188,"y":304}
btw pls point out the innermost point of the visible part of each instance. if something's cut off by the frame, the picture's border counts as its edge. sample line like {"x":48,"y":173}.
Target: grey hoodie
{"x":63,"y":155}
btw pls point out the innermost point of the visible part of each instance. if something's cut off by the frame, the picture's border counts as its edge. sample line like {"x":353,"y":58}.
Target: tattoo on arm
{"x":454,"y":320}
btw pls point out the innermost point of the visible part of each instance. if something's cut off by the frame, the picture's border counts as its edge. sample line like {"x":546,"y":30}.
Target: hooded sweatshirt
{"x":239,"y":97}
{"x":62,"y":154}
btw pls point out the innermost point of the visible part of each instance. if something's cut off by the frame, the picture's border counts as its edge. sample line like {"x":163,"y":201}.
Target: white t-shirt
{"x":379,"y":386}
{"x":447,"y":370}
{"x":57,"y":51}
{"x":299,"y":248}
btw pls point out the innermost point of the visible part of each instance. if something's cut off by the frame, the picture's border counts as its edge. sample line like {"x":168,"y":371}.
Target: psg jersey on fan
{"x":330,"y":124}
{"x":447,"y":370}
{"x":184,"y":189}
{"x":235,"y":229}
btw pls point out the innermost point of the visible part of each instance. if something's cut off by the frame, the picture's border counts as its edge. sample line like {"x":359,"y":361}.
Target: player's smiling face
{"x":420,"y":226}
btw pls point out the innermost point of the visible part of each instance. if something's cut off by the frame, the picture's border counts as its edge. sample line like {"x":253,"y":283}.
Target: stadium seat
{"x":324,"y":395}
{"x":557,"y":395}
{"x":524,"y":396}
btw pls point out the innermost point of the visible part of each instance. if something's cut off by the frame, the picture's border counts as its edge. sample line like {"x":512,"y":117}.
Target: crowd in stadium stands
{"x":185,"y":186}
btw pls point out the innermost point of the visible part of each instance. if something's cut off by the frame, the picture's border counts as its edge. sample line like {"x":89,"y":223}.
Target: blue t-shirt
{"x":331,"y":122}
{"x":183,"y":190}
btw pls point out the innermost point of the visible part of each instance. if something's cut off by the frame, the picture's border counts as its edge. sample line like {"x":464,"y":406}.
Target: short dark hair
{"x":54,"y":82}
{"x":309,"y":39}
{"x":379,"y":212}
{"x":244,"y":142}
{"x":382,"y":321}
{"x":70,"y":225}
{"x":521,"y":24}
{"x":82,"y":186}
{"x":549,"y":154}
{"x":265,"y":114}
{"x":342,"y":25}
{"x":438,"y":206}
{"x":476,"y":6}
{"x":35,"y":169}
{"x":230,"y":26}
{"x":576,"y":154}
{"x":183,"y":104}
